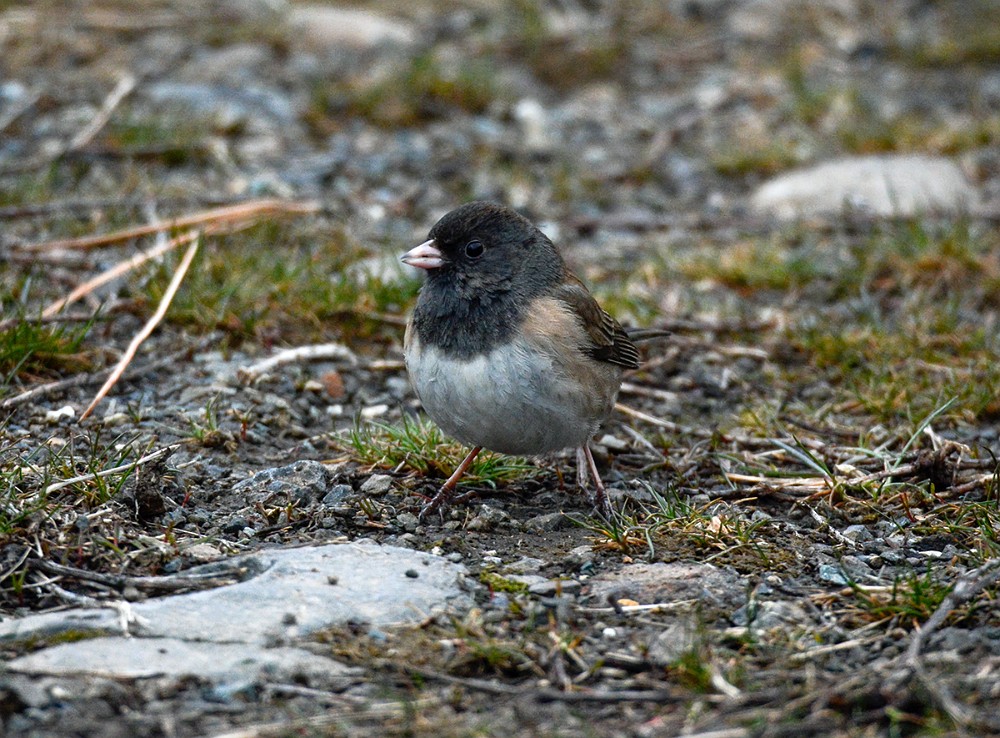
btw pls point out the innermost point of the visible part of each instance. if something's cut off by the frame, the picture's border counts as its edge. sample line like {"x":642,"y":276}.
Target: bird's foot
{"x":602,"y":505}
{"x":445,"y":495}
{"x":444,"y":499}
{"x":439,"y":502}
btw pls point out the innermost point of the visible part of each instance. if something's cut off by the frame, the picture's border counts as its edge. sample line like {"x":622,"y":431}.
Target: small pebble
{"x":376,"y":484}
{"x":833,"y":574}
{"x":52,"y":417}
{"x":337,"y":495}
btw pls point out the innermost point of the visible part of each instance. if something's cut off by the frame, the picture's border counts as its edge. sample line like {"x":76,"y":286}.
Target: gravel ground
{"x":805,"y":471}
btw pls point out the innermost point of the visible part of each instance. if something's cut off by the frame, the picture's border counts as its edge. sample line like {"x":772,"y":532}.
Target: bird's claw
{"x":602,"y":505}
{"x":438,"y":502}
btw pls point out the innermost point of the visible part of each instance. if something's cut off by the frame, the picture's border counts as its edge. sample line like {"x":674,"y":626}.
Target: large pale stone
{"x":880,"y":185}
{"x":142,"y":658}
{"x":286,"y":593}
{"x":325,"y":28}
{"x":660,"y":582}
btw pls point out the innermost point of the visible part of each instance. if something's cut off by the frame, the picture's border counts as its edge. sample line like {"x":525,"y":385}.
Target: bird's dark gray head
{"x":488,"y":247}
{"x":484,"y":265}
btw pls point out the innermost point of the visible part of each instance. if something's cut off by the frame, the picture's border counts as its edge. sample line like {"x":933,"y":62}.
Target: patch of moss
{"x":426,"y":88}
{"x":497,"y":583}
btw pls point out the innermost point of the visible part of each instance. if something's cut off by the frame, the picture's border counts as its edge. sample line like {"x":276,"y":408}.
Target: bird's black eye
{"x":474,"y":249}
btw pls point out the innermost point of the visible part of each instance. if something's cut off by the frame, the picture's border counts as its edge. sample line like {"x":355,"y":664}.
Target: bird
{"x":506,"y":349}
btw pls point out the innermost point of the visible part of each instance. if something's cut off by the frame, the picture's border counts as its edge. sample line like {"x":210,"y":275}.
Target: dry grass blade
{"x":116,"y":271}
{"x":16,"y":110}
{"x":147,"y":329}
{"x":302,"y":353}
{"x":126,"y":84}
{"x":968,"y":586}
{"x":216,"y":217}
{"x":653,"y":420}
{"x":804,"y":485}
{"x":121,"y":90}
{"x":107,"y":472}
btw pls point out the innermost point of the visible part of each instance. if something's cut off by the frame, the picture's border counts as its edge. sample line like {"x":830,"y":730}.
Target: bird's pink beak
{"x":425,"y":256}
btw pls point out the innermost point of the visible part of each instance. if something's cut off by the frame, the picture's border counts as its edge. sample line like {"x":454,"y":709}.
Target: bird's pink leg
{"x":600,"y":498}
{"x":443,"y":497}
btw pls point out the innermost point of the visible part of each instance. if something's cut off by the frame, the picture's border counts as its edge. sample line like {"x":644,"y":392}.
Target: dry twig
{"x":173,"y":583}
{"x":968,"y":586}
{"x":121,"y":90}
{"x":215,"y":220}
{"x":18,"y":109}
{"x":126,"y":84}
{"x":108,"y":472}
{"x":147,"y":329}
{"x":301,"y":353}
{"x":81,"y":380}
{"x":117,"y":270}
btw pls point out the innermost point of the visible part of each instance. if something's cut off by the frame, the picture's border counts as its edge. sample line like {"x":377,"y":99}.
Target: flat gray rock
{"x":287,"y":593}
{"x":880,"y":185}
{"x":227,"y":105}
{"x":301,"y":481}
{"x":141,"y":658}
{"x":649,"y":584}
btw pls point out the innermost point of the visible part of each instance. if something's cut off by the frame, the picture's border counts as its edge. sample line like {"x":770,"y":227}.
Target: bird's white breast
{"x":518,"y":399}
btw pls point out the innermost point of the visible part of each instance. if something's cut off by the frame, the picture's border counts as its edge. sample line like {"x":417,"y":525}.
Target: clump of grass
{"x":26,"y":476}
{"x":28,"y":347}
{"x":904,"y":372}
{"x":970,"y":36}
{"x":973,"y":526}
{"x":571,"y":50}
{"x":31,"y":187}
{"x":910,"y":601}
{"x":206,"y":430}
{"x":420,"y":445}
{"x":567,"y":62}
{"x":693,"y":669}
{"x":857,"y":121}
{"x":673,"y":525}
{"x":907,"y":344}
{"x":497,"y":583}
{"x":981,"y":47}
{"x":754,"y":265}
{"x":944,"y":261}
{"x":810,"y":101}
{"x":764,"y":159}
{"x":174,"y":138}
{"x":221,"y":31}
{"x":257,"y":285}
{"x":866,"y":133}
{"x":630,"y":307}
{"x":425,"y":89}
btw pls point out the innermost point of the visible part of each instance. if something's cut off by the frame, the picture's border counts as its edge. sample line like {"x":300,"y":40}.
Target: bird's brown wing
{"x":606,"y":339}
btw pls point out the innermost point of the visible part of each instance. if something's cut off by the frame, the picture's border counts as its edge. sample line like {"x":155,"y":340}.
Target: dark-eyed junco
{"x":506,"y":348}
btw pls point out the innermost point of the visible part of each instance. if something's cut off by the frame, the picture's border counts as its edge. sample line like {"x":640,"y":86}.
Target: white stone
{"x":880,"y":185}
{"x":54,"y":416}
{"x":140,"y":658}
{"x":534,"y":123}
{"x":324,"y":27}
{"x":285,"y":593}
